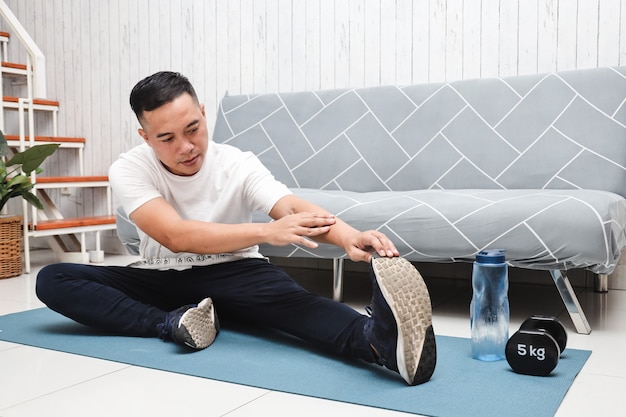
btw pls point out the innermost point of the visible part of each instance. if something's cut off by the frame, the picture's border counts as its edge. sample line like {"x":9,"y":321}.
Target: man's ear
{"x":143,"y":134}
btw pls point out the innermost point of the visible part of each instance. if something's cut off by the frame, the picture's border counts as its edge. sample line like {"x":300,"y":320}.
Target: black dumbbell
{"x":536,"y":347}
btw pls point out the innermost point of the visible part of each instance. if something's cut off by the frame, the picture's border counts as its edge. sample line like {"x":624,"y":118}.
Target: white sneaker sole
{"x":406,"y":294}
{"x":200,"y":324}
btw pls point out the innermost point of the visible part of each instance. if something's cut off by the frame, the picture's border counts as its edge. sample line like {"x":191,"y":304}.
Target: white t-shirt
{"x":230,"y":186}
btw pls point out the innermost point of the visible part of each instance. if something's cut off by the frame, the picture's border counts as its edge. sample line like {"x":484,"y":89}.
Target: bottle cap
{"x":490,"y":256}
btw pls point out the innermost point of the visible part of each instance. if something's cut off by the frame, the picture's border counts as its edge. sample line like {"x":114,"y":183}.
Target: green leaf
{"x":31,"y":158}
{"x":32,"y":199}
{"x":18,"y":180}
{"x":15,"y":173}
{"x":4,"y":146}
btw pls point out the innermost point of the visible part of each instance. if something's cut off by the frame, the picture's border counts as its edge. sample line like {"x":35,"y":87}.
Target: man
{"x":192,"y":202}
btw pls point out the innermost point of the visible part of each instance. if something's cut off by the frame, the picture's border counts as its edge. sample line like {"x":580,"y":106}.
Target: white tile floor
{"x":37,"y":382}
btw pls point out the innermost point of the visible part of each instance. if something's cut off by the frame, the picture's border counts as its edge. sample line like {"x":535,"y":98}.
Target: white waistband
{"x":187,"y":261}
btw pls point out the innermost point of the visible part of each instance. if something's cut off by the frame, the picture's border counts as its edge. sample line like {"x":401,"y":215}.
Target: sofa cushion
{"x":540,"y":229}
{"x":523,"y":132}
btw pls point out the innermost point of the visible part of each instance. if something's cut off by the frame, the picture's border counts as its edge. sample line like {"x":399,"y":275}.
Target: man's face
{"x":177,"y":134}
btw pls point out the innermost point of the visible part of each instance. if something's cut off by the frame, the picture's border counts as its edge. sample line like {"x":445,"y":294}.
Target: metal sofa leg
{"x":601,"y":283}
{"x":571,"y":301}
{"x":338,"y":279}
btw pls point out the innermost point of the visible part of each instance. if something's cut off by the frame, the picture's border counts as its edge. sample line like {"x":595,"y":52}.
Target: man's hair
{"x":158,"y":89}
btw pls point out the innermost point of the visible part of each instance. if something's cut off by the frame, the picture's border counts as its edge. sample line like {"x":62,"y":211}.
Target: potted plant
{"x":15,"y":182}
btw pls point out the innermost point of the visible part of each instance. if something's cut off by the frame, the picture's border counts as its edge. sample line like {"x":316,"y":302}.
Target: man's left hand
{"x":363,"y":245}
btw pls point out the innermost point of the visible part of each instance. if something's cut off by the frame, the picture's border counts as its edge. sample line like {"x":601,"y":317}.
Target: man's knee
{"x":47,"y":281}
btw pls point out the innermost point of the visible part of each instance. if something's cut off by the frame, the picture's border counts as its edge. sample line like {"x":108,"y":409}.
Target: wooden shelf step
{"x":14,"y":66}
{"x":73,"y":222}
{"x":11,"y":102}
{"x":65,"y":142}
{"x":89,"y":178}
{"x":84,"y":181}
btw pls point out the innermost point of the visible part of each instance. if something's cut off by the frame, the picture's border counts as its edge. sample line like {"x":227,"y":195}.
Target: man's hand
{"x":361,"y":246}
{"x":299,"y":228}
{"x":301,"y":224}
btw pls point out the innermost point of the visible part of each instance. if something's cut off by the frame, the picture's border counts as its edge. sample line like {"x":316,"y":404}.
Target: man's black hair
{"x":158,"y":89}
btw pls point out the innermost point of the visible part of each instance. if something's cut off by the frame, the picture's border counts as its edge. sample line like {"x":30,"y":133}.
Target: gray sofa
{"x":532,"y":164}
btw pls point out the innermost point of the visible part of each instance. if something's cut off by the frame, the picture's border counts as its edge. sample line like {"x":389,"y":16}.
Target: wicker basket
{"x":10,"y":246}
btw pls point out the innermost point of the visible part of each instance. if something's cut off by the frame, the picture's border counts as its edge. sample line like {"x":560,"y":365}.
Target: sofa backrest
{"x":560,"y":130}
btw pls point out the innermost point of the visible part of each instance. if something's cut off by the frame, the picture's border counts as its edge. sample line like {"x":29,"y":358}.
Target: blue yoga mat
{"x":460,"y":385}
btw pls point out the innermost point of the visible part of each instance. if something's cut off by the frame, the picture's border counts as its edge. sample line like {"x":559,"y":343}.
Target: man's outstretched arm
{"x":159,"y":220}
{"x":359,"y":245}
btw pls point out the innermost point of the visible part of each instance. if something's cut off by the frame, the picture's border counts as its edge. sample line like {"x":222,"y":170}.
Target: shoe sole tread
{"x":406,"y":294}
{"x":199,"y":325}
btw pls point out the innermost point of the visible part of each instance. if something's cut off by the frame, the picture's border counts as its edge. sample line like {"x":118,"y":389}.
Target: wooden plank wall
{"x":97,"y":50}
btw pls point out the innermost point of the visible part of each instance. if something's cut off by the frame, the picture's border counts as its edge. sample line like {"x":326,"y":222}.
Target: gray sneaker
{"x":400,"y":328}
{"x":193,"y":326}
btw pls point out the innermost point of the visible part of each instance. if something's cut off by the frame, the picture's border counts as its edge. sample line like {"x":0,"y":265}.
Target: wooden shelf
{"x":65,"y":142}
{"x":38,"y":104}
{"x":52,"y":225}
{"x":76,"y":222}
{"x":72,"y":182}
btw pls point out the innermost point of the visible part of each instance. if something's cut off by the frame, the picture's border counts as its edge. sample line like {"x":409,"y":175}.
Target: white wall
{"x":97,"y":50}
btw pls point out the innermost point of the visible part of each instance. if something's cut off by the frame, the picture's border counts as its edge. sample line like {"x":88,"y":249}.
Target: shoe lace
{"x":166,"y":329}
{"x":163,"y":331}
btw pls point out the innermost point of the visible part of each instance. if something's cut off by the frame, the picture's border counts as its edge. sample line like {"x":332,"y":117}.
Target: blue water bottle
{"x":489,"y":309}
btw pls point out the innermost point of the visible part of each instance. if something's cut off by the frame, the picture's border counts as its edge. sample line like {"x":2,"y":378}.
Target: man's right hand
{"x":299,"y":229}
